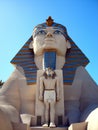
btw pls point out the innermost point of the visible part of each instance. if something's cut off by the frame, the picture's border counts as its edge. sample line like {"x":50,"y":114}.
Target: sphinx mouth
{"x":49,"y":40}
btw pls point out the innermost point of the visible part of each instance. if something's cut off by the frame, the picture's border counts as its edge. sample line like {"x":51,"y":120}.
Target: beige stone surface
{"x":72,"y":94}
{"x":92,"y":120}
{"x":20,"y":126}
{"x":28,"y":119}
{"x":17,"y":93}
{"x":78,"y":96}
{"x":78,"y":126}
{"x":9,"y":94}
{"x":5,"y":124}
{"x":11,"y":112}
{"x":27,"y":97}
{"x":16,"y":97}
{"x":89,"y":89}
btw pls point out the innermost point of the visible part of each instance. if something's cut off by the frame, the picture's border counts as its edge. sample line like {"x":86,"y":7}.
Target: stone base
{"x":78,"y":126}
{"x":20,"y":126}
{"x":41,"y":128}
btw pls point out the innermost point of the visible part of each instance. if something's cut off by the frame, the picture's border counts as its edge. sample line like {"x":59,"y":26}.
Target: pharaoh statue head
{"x":49,"y":73}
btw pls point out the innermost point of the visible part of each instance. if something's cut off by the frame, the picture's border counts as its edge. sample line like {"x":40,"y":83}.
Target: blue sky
{"x":18,"y":18}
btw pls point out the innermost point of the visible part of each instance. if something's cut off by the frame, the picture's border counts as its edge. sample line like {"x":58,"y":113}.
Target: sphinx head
{"x":50,"y":36}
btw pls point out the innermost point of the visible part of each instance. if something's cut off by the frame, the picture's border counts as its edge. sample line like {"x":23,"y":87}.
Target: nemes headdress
{"x":50,"y":23}
{"x":74,"y":57}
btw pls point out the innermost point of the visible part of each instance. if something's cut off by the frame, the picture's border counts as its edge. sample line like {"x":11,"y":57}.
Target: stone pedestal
{"x":41,"y":128}
{"x":39,"y":107}
{"x":20,"y":126}
{"x":78,"y":126}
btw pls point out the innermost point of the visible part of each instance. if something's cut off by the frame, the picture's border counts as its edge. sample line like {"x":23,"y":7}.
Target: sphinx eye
{"x":57,"y":32}
{"x":42,"y":32}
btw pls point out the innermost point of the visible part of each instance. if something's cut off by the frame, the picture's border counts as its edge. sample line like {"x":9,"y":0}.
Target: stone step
{"x":48,"y":128}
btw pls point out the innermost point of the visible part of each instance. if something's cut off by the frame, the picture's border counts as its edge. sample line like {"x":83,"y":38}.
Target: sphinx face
{"x":49,"y":38}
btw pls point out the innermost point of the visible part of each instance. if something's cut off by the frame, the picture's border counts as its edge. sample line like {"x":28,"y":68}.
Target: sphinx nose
{"x":49,"y":34}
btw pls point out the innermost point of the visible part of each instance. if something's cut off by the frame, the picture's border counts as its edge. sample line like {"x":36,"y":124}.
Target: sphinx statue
{"x":50,"y":86}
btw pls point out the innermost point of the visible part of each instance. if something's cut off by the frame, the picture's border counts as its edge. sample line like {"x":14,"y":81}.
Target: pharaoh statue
{"x":49,"y":93}
{"x":50,"y":86}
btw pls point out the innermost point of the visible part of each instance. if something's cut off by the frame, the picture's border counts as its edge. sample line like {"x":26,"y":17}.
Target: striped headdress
{"x":74,"y":58}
